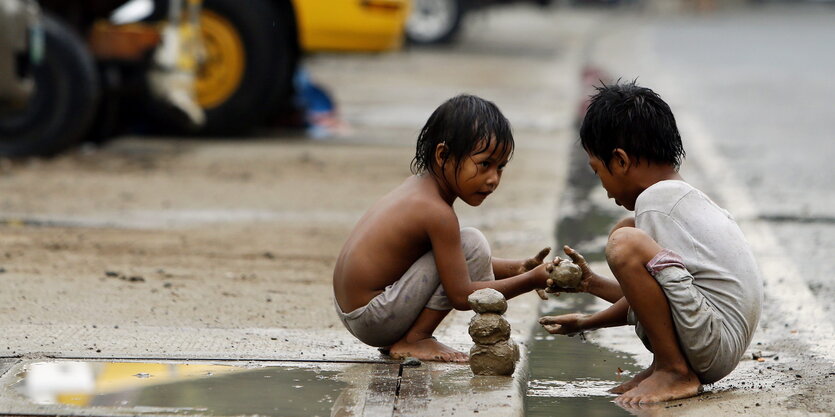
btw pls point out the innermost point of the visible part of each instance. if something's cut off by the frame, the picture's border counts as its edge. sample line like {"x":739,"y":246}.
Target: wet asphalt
{"x":762,"y":80}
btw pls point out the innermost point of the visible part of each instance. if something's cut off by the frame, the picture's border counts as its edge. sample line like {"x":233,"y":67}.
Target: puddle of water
{"x":207,"y":389}
{"x":568,"y":375}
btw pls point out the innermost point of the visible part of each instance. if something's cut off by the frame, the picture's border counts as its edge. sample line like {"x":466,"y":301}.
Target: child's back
{"x":386,"y":241}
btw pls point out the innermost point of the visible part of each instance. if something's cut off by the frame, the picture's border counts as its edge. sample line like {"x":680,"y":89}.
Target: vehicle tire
{"x":248,"y":69}
{"x":65,"y":100}
{"x":435,"y":21}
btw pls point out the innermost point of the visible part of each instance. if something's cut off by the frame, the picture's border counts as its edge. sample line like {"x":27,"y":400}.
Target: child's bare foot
{"x":662,"y":385}
{"x":632,"y":383}
{"x":429,"y":349}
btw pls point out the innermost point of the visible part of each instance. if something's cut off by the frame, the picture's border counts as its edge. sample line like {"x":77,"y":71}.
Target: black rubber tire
{"x":66,"y":97}
{"x":445,"y":33}
{"x":264,"y":30}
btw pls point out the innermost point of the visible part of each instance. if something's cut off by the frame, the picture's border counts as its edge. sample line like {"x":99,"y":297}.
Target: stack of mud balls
{"x":494,"y":352}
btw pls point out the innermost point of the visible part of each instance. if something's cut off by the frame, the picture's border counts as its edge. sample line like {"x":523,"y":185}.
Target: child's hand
{"x":566,"y":324}
{"x":534,"y":262}
{"x":543,"y":272}
{"x":531,"y":263}
{"x":580,"y":261}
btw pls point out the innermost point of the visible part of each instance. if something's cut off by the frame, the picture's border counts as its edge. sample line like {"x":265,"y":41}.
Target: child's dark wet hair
{"x":632,"y":118}
{"x":462,"y":123}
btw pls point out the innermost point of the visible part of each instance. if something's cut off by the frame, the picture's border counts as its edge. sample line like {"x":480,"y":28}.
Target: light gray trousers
{"x":389,"y":315}
{"x":703,"y":338}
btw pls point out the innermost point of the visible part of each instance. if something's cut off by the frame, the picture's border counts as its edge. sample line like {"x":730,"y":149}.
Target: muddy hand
{"x":566,"y":324}
{"x":537,"y":260}
{"x":580,"y":261}
{"x":552,"y":287}
{"x":543,"y":293}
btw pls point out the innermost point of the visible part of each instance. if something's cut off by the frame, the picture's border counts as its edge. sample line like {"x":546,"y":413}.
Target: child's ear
{"x":620,"y":160}
{"x":441,"y":153}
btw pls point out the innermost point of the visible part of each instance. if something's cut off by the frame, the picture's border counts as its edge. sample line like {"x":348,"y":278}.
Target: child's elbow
{"x":460,"y":303}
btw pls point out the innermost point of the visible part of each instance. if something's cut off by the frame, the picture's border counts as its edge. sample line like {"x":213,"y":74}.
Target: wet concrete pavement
{"x":219,"y":252}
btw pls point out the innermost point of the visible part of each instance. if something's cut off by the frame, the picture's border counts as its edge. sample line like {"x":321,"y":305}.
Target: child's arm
{"x":569,"y":324}
{"x":443,"y":229}
{"x":504,"y":268}
{"x":592,"y":283}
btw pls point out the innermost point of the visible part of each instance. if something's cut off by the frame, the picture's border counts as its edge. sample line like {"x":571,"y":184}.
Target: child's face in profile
{"x":614,"y":181}
{"x":478,"y":174}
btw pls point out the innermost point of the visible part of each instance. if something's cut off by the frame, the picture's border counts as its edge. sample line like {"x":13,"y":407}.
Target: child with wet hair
{"x":407,"y":262}
{"x":685,"y":275}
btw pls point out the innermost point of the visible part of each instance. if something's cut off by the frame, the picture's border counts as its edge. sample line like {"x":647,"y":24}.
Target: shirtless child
{"x":407,"y":262}
{"x":685,"y":276}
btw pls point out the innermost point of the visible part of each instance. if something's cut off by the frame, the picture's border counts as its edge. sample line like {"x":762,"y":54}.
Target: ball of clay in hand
{"x":489,"y":328}
{"x":487,"y":300}
{"x":565,"y":275}
{"x":498,"y":359}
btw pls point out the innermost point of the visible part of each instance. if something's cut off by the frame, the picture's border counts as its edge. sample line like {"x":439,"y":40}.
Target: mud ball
{"x":489,"y":328}
{"x":487,"y":300}
{"x":497,"y":359}
{"x":566,"y":275}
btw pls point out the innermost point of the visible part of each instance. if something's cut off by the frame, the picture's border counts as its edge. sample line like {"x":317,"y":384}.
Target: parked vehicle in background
{"x":54,"y":68}
{"x":253,"y":47}
{"x":439,"y":21}
{"x":218,"y":67}
{"x":351,"y":25}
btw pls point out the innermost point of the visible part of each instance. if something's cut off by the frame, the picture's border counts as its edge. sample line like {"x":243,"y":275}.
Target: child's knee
{"x":629,"y":246}
{"x":625,"y":222}
{"x":474,"y":243}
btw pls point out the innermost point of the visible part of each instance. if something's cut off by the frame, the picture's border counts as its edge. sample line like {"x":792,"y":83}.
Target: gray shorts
{"x":389,"y":315}
{"x":702,"y":336}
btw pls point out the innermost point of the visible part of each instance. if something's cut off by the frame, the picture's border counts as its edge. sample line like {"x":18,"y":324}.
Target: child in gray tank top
{"x":685,"y":275}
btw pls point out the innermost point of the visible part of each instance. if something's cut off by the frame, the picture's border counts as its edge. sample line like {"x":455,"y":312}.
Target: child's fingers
{"x":542,"y":254}
{"x":541,"y":293}
{"x":553,"y":289}
{"x":574,"y":255}
{"x":537,"y":260}
{"x":551,"y":320}
{"x":552,"y":328}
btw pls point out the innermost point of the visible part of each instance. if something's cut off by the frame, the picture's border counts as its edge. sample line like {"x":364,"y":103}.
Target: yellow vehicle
{"x":351,"y":25}
{"x":252,"y":49}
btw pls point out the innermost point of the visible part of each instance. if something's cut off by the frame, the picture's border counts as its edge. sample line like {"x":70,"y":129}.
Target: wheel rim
{"x":221,"y":73}
{"x":431,"y":19}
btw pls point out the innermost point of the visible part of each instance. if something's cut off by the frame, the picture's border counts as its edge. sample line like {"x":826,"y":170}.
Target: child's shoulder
{"x":663,"y":196}
{"x":678,"y":199}
{"x":414,"y":197}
